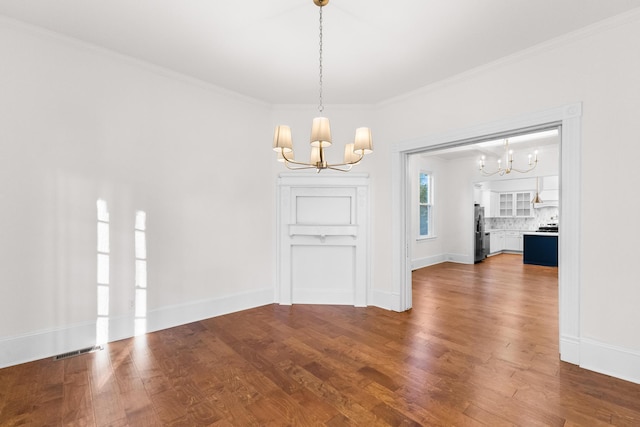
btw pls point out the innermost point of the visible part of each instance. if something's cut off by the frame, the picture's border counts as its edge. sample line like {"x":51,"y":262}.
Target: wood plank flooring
{"x":480,"y":347}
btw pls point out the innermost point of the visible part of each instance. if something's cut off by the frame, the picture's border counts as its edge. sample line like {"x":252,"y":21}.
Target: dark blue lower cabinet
{"x":540,"y":250}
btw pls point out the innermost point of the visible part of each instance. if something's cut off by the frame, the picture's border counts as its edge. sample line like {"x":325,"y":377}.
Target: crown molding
{"x":80,"y":45}
{"x":547,"y":46}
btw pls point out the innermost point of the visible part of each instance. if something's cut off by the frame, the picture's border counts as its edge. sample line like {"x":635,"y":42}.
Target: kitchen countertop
{"x":529,"y":232}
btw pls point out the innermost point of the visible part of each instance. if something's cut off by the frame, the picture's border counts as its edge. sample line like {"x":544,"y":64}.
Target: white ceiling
{"x":373,"y":50}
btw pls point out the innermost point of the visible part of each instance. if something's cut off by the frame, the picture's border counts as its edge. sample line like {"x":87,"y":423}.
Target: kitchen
{"x":518,"y":216}
{"x":457,"y":186}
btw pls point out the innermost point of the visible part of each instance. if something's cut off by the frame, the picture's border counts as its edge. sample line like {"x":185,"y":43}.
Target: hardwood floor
{"x":480,"y":347}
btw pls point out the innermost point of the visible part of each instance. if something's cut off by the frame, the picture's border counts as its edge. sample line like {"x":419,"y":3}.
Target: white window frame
{"x":431,"y":226}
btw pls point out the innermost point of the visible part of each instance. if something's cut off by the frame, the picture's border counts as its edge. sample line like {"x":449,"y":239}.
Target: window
{"x":426,"y":204}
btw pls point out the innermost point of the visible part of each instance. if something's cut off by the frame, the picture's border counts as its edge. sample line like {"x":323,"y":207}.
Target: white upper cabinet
{"x":516,"y":204}
{"x":523,"y":207}
{"x":491,"y":203}
{"x":511,"y":198}
{"x":506,"y":204}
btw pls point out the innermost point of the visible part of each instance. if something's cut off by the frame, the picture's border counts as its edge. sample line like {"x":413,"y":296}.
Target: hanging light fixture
{"x":537,"y":198}
{"x":321,"y":136}
{"x":508,"y":157}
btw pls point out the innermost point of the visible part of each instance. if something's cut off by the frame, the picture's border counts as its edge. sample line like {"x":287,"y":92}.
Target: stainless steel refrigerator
{"x":478,"y":215}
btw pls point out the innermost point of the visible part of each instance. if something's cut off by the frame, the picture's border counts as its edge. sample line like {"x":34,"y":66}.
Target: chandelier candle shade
{"x":508,"y":157}
{"x":321,"y":136}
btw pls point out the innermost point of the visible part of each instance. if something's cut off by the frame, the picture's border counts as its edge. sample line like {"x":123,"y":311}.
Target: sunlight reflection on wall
{"x":141,"y":273}
{"x":102,"y":323}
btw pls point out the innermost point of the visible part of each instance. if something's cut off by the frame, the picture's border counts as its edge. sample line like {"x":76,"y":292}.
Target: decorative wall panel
{"x":323,"y":239}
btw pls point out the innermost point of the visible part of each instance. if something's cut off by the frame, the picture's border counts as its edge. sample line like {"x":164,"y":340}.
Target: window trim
{"x":431,"y":231}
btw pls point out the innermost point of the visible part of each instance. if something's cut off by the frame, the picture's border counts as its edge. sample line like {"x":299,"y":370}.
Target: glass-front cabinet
{"x":523,"y":204}
{"x":506,"y":204}
{"x":516,"y":204}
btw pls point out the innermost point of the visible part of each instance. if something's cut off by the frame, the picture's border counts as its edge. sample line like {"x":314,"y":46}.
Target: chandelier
{"x":321,"y":136}
{"x":508,"y":157}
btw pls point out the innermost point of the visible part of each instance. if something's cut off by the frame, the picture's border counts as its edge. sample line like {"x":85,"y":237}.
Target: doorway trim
{"x":569,"y":118}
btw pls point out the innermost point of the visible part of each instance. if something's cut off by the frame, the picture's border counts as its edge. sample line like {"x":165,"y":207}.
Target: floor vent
{"x":78,"y":352}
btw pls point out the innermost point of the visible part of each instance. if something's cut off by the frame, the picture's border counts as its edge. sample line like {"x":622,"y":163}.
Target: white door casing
{"x":568,"y":118}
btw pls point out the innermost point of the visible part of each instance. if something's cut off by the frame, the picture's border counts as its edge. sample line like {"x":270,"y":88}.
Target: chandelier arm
{"x":345,"y":163}
{"x":293,"y":161}
{"x":333,"y":167}
{"x":288,"y":162}
{"x":525,"y":171}
{"x":485,"y":173}
{"x":357,"y":161}
{"x":336,"y":166}
{"x":294,"y":168}
{"x":304,"y":165}
{"x":500,"y":172}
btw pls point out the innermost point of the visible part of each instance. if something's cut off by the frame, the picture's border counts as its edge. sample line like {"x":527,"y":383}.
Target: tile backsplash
{"x":542,"y":216}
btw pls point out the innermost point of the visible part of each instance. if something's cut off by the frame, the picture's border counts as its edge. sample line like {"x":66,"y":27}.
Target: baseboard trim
{"x":48,"y":343}
{"x":385,"y":300}
{"x":460,"y":258}
{"x":570,"y":349}
{"x":439,"y":259}
{"x":323,"y":296}
{"x":427,"y":261}
{"x":618,"y":362}
{"x":169,"y":317}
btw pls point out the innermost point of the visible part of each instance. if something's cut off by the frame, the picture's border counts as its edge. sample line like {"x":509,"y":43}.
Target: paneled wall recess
{"x":323,"y":239}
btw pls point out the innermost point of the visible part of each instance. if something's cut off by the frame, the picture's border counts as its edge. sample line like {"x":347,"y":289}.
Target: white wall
{"x":596,"y":68}
{"x":459,"y":215}
{"x":78,"y":124}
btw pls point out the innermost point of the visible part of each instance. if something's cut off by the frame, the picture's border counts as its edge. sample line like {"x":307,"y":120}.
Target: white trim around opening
{"x":568,"y":118}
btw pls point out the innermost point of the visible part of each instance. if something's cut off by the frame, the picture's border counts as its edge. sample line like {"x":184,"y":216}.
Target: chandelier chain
{"x":320,"y":106}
